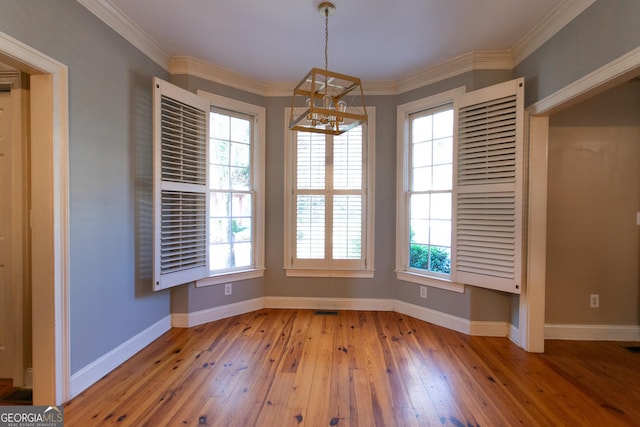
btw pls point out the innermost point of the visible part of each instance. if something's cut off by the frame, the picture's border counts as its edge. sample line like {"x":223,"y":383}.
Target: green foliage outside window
{"x":431,"y":258}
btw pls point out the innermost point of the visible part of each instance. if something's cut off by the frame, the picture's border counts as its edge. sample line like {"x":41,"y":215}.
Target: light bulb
{"x":342,"y":107}
{"x":309,"y":115}
{"x":328,"y":102}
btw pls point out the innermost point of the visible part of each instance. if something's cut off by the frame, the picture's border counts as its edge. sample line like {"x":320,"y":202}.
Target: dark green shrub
{"x":431,"y":258}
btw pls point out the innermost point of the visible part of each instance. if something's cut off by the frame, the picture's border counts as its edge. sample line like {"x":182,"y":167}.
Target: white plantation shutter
{"x":310,"y":227}
{"x":347,"y":227}
{"x":180,"y":186}
{"x":348,"y":197}
{"x":489,"y":187}
{"x":310,"y":195}
{"x":311,"y":161}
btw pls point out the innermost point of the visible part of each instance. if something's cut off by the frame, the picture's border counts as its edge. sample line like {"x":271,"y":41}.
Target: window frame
{"x":431,"y":192}
{"x":325,"y":267}
{"x":257,"y":188}
{"x":403,"y":272}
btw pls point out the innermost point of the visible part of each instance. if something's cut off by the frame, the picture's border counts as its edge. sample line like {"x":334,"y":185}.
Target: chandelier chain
{"x":327,"y":95}
{"x":326,"y":38}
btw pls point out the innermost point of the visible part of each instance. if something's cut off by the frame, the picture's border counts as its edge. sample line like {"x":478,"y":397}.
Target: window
{"x":460,"y":189}
{"x":208,"y":188}
{"x":329,"y":203}
{"x":230,"y":192}
{"x":430,"y":190}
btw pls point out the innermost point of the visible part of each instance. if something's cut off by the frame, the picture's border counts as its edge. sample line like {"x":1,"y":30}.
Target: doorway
{"x":594,"y":196}
{"x":15,"y":283}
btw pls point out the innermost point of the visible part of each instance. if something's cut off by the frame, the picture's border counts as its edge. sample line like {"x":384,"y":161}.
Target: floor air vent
{"x":326,"y":312}
{"x":633,"y":348}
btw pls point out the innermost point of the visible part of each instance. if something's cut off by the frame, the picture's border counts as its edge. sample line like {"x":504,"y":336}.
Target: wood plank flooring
{"x":14,"y":396}
{"x":358,"y":368}
{"x":6,"y":386}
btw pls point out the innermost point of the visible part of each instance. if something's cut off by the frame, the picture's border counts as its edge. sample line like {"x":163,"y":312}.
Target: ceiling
{"x":376,"y":40}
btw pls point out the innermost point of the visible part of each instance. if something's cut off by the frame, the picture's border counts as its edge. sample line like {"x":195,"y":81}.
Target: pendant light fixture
{"x":325,"y":101}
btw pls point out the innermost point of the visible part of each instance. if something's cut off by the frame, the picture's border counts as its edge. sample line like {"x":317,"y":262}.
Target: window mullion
{"x":329,"y":192}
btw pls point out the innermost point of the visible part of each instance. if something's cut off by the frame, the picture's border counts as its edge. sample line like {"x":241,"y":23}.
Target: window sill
{"x":232,"y":276}
{"x":430,"y":281}
{"x":304,"y":272}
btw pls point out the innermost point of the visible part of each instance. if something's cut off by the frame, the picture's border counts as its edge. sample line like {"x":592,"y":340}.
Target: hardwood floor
{"x":357,"y":368}
{"x":14,"y":396}
{"x":6,"y":386}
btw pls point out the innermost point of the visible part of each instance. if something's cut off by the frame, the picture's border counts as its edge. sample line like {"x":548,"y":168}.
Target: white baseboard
{"x":28,"y":378}
{"x":592,"y":332}
{"x":490,"y":328}
{"x":514,"y":335}
{"x":494,"y":329}
{"x":432,"y":316}
{"x":309,"y":303}
{"x":459,"y":324}
{"x":97,"y":369}
{"x":188,"y":320}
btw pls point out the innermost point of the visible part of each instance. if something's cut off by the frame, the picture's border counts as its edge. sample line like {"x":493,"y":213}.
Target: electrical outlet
{"x":594,"y":300}
{"x":228,"y":288}
{"x":423,"y":291}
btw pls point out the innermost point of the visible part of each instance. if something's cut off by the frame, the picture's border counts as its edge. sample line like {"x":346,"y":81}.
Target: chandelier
{"x":325,"y":101}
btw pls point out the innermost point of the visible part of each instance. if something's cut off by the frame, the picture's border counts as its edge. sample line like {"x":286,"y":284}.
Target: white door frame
{"x":49,"y":218}
{"x":532,"y":301}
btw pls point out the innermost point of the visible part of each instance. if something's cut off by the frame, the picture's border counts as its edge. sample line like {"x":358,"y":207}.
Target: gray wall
{"x":110,"y":173}
{"x":603,"y":32}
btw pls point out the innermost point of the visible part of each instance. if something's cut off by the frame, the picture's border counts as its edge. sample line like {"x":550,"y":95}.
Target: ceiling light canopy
{"x":325,"y":101}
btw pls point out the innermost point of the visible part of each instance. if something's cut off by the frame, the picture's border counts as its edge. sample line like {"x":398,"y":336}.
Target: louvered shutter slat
{"x":487,"y":203}
{"x":491,"y":127}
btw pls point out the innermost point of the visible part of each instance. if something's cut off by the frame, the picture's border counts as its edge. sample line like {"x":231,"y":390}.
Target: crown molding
{"x":123,"y":25}
{"x":481,"y":60}
{"x":204,"y":70}
{"x":548,"y":27}
{"x":484,"y":60}
{"x":380,"y":87}
{"x":198,"y":68}
{"x":377,"y":87}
